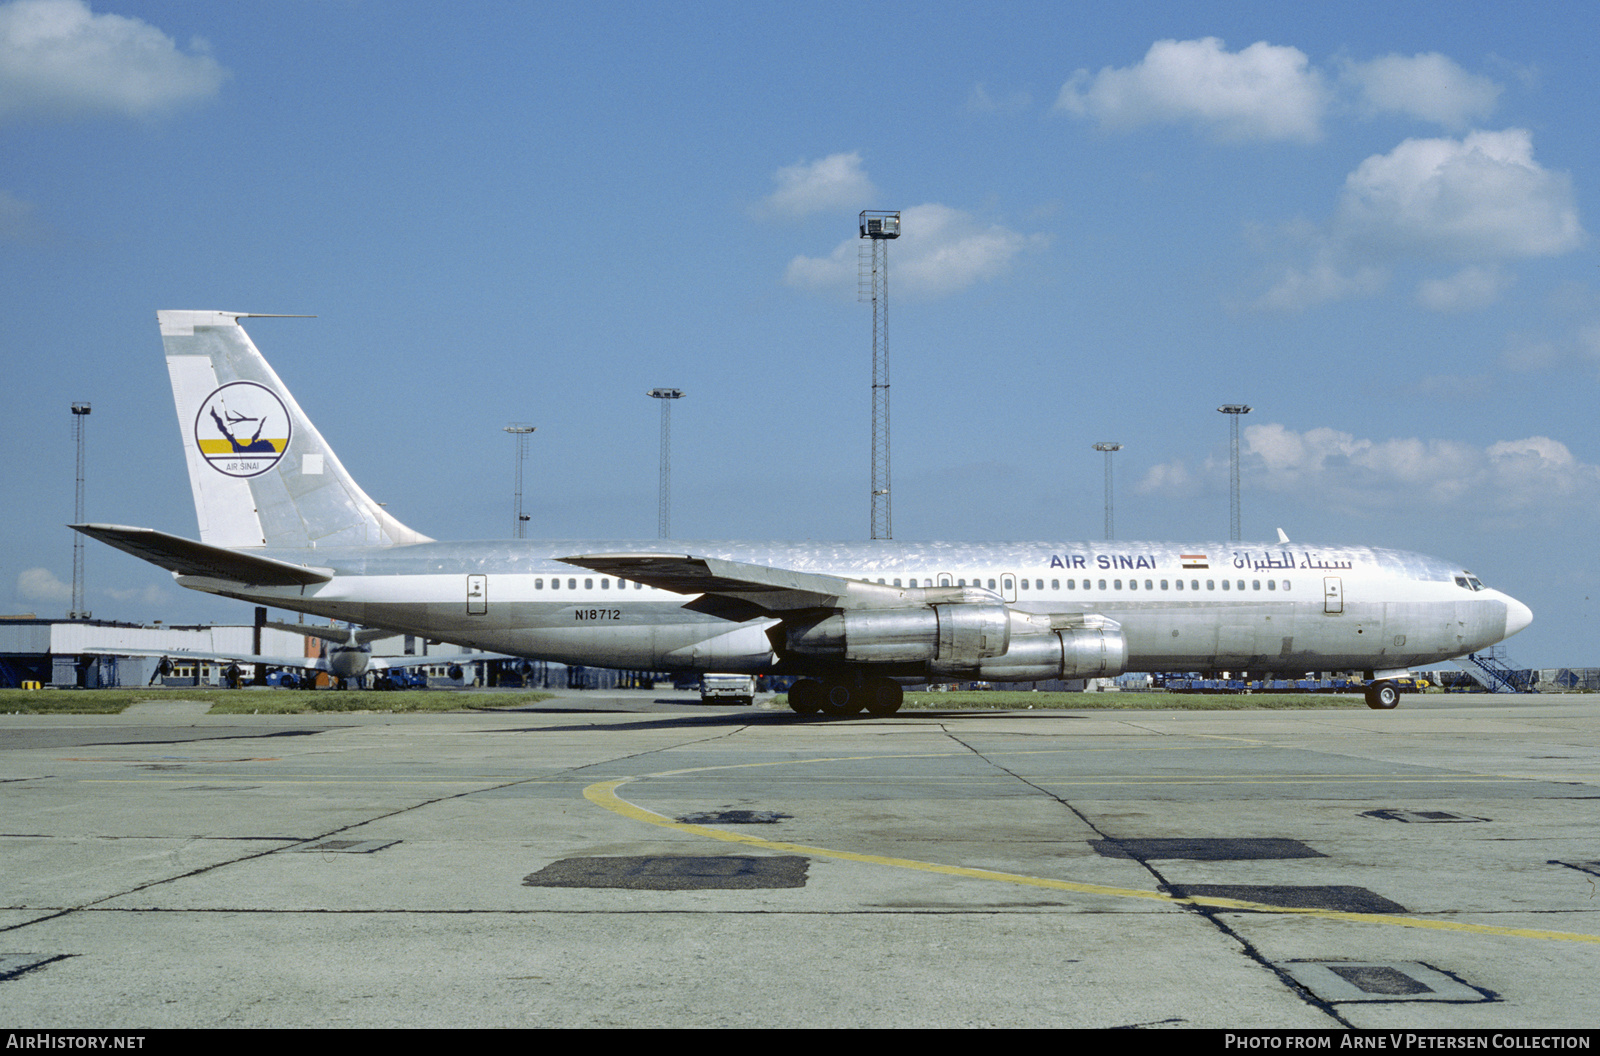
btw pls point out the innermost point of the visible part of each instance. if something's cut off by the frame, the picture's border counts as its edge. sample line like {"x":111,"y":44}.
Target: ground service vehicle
{"x":727,"y":689}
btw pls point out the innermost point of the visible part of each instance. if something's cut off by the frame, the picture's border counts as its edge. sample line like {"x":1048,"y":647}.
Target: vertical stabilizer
{"x":262,"y":475}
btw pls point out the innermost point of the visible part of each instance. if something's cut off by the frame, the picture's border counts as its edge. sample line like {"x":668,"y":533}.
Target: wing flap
{"x":185,"y":557}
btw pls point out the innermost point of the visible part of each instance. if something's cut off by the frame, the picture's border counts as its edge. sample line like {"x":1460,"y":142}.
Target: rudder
{"x":261,"y":473}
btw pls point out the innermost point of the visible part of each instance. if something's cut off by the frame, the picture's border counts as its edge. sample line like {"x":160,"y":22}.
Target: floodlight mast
{"x":878,"y":228}
{"x":80,"y":411}
{"x":520,"y":430}
{"x":1233,"y":411}
{"x":664,"y":499}
{"x":1108,"y":448}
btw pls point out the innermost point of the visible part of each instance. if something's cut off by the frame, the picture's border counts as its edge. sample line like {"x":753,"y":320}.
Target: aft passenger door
{"x":1332,"y":595}
{"x":477,"y":595}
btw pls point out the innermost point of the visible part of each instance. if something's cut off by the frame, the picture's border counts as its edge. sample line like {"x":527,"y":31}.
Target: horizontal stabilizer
{"x":306,"y":663}
{"x":400,"y":663}
{"x":185,"y":557}
{"x":303,"y":663}
{"x":330,"y":633}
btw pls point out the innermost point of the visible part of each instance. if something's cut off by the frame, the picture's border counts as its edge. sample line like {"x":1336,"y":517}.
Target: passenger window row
{"x":990,"y":584}
{"x":1115,"y":584}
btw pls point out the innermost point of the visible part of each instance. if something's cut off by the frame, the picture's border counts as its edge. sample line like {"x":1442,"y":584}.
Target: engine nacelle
{"x":959,"y":633}
{"x":973,"y":630}
{"x":1092,"y":652}
{"x":1038,"y":652}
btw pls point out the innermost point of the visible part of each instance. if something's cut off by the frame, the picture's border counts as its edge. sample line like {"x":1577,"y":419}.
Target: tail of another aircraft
{"x":262,"y":475}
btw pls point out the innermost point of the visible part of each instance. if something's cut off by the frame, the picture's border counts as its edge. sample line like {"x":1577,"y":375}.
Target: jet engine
{"x":962,"y":633}
{"x":1091,"y":647}
{"x":980,"y":639}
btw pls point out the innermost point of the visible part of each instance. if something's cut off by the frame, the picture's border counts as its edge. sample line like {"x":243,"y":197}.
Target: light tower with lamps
{"x":664,"y":502}
{"x":1108,"y":448}
{"x":1233,"y":411}
{"x":80,"y":411}
{"x":521,"y":431}
{"x":878,"y":228}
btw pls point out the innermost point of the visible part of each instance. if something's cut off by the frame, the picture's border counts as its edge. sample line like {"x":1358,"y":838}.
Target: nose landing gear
{"x":1383,"y":695}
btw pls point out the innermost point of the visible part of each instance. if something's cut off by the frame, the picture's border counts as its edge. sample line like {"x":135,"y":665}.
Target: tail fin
{"x":262,"y":475}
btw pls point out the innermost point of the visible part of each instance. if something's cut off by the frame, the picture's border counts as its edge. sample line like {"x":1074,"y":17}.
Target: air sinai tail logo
{"x":243,"y":429}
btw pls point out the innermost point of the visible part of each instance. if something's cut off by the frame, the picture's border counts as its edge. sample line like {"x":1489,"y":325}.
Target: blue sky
{"x":1371,"y":222}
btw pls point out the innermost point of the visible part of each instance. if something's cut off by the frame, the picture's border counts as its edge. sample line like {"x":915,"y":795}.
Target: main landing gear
{"x":835,"y":697}
{"x":1383,"y":695}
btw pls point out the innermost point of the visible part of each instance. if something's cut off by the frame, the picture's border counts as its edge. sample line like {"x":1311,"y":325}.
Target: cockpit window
{"x":1468,"y":581}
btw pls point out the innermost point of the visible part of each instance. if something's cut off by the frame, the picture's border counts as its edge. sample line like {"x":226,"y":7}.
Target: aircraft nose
{"x":1518,"y":616}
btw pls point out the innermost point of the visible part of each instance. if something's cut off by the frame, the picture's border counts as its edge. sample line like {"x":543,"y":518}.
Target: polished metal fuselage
{"x":1209,"y":606}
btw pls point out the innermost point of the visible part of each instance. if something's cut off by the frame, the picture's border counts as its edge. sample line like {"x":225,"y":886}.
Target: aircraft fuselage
{"x":1277,"y":608}
{"x":282,"y":523}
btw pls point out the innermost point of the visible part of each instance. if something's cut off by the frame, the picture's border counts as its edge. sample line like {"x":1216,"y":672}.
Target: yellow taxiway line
{"x":604,"y":794}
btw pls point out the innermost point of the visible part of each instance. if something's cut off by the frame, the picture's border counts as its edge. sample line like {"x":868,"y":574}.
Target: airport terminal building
{"x":103,"y":654}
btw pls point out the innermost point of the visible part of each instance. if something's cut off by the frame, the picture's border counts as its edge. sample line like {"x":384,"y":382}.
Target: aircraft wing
{"x":185,"y":557}
{"x":761,"y":587}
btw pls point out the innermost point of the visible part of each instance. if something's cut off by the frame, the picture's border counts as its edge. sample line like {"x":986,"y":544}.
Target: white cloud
{"x":1168,"y":478}
{"x":833,"y":182}
{"x":149,"y":594}
{"x":58,"y":59}
{"x":1270,"y":92}
{"x":1318,"y":283}
{"x":1477,"y":201}
{"x":1471,"y":287}
{"x":1262,"y":92}
{"x":40,"y":584}
{"x":1536,"y":474}
{"x":1429,"y":86}
{"x":940,"y":251}
{"x":1541,"y":472}
{"x":1479,"y":197}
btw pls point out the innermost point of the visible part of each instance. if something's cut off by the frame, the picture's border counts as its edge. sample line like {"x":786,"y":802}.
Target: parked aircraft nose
{"x":1518,"y":616}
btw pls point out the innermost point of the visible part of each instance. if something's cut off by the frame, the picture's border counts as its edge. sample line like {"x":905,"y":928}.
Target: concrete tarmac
{"x":637,"y":860}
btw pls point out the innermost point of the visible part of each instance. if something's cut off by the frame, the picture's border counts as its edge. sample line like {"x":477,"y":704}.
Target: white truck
{"x":727,"y":689}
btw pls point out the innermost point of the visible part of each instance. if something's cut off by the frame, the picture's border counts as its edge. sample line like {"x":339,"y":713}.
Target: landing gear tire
{"x":1383,"y":696}
{"x":883,"y":696}
{"x":840,"y":698}
{"x":805,"y":697}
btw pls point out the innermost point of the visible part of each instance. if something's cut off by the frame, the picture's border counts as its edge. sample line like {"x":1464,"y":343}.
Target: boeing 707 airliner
{"x":283,"y":524}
